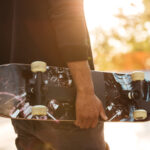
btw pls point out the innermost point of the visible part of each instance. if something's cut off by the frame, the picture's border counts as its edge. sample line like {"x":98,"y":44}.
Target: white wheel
{"x":38,"y":66}
{"x":140,"y":114}
{"x":39,"y":110}
{"x":137,"y":75}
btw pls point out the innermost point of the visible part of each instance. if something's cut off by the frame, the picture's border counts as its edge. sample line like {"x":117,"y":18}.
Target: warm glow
{"x":120,"y":136}
{"x":128,"y":136}
{"x":102,"y":12}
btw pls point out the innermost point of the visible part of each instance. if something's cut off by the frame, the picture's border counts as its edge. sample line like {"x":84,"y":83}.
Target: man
{"x":54,"y":31}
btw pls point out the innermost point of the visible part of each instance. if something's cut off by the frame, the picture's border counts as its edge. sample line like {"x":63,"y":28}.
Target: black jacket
{"x":50,"y":30}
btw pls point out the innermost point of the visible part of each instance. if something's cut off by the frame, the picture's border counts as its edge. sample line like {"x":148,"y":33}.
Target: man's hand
{"x":88,"y":110}
{"x":88,"y":106}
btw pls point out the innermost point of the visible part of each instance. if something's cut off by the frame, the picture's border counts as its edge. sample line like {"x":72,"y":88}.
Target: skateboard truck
{"x":38,"y":111}
{"x":137,"y":79}
{"x":137,"y":82}
{"x":38,"y":67}
{"x":140,"y":114}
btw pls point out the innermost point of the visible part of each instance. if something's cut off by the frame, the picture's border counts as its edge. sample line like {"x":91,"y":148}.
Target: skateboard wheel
{"x":39,"y":110}
{"x":137,"y":75}
{"x":38,"y":66}
{"x":140,"y":114}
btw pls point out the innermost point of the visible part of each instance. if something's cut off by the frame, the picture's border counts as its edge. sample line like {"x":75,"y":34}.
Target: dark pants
{"x":42,"y":135}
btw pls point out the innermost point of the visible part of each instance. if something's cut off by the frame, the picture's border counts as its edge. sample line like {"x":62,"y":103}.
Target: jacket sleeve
{"x":67,"y":17}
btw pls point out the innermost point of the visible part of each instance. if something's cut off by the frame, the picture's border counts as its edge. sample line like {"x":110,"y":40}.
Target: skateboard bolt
{"x":140,"y":114}
{"x":38,"y":66}
{"x":137,"y":75}
{"x":39,"y":110}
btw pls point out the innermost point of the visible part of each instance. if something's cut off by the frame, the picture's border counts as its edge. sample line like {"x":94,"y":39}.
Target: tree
{"x":136,"y":39}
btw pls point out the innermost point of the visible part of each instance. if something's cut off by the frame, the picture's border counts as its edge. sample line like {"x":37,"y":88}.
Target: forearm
{"x":81,"y":74}
{"x":88,"y":106}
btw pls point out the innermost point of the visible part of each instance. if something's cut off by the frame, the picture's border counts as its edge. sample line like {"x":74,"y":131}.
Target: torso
{"x":32,"y":36}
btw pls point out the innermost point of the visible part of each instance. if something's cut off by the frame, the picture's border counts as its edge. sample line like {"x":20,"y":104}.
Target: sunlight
{"x":102,"y":12}
{"x":127,"y":136}
{"x":120,"y":136}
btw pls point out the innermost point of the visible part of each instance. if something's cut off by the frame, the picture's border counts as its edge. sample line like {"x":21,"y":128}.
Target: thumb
{"x":102,"y":112}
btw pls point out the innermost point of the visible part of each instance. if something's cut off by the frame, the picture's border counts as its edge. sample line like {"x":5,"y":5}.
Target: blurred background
{"x":120,"y":33}
{"x":120,"y":37}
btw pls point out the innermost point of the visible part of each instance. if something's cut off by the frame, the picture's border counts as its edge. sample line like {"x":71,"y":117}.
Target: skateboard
{"x":48,"y":93}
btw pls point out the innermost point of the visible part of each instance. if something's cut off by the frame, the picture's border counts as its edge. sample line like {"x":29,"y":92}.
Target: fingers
{"x":87,"y":117}
{"x":94,"y":124}
{"x":88,"y":122}
{"x":83,"y":123}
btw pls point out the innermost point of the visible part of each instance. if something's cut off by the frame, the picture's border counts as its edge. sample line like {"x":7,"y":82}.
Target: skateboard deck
{"x":23,"y":93}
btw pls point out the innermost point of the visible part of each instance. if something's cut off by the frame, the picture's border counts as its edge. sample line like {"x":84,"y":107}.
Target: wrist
{"x":85,"y":90}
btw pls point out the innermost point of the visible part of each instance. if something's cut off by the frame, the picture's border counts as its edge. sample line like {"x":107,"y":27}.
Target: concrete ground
{"x":120,"y":136}
{"x":7,"y":135}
